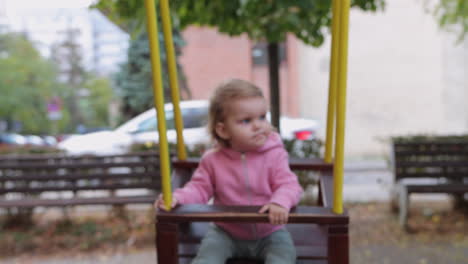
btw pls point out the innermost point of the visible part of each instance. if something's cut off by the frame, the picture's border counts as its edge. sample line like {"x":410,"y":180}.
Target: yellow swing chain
{"x":152,"y":27}
{"x":341,"y":106}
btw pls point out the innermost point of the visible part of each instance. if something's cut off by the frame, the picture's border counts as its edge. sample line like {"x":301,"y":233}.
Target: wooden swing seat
{"x":320,"y":236}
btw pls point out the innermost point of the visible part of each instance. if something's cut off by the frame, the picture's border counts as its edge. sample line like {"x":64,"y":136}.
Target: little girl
{"x":249,"y":166}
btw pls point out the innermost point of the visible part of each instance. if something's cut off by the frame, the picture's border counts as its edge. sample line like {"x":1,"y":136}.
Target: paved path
{"x":140,"y":257}
{"x":366,"y":181}
{"x":372,"y":254}
{"x":415,"y":254}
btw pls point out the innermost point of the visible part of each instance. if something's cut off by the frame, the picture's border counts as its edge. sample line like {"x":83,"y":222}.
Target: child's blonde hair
{"x":225,"y":93}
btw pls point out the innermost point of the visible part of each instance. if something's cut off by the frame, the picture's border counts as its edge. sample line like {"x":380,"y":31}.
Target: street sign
{"x":54,"y":107}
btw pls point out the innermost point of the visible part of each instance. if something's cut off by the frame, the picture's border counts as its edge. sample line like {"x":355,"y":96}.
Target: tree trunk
{"x":273,"y":72}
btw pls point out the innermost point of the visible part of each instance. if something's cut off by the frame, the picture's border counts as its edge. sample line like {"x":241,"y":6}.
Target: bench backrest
{"x":37,"y":174}
{"x":431,"y":159}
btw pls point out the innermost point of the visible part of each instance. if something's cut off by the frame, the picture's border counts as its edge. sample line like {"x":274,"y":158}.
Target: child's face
{"x":245,"y":125}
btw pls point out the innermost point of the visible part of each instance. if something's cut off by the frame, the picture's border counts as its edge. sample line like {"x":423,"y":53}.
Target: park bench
{"x":320,"y":236}
{"x":428,"y":166}
{"x":59,"y":180}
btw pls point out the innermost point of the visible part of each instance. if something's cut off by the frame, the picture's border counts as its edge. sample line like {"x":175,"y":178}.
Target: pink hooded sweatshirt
{"x":256,"y":177}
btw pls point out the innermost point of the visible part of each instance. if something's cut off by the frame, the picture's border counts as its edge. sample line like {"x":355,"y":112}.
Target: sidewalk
{"x":372,"y":181}
{"x":366,"y":181}
{"x":136,"y":257}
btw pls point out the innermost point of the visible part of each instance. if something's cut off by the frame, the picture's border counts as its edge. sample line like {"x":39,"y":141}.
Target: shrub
{"x":296,"y":148}
{"x":20,"y":150}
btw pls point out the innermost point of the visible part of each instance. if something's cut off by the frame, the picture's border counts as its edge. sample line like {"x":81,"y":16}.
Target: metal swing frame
{"x":171,"y":226}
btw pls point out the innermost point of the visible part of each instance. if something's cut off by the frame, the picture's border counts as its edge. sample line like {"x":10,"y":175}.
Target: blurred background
{"x":75,"y":78}
{"x":69,"y":69}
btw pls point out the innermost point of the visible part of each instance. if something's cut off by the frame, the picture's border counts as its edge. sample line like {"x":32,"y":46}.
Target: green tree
{"x":268,"y":21}
{"x":68,"y":57}
{"x":262,"y":20}
{"x":86,"y":97}
{"x":134,"y":79}
{"x":98,"y":101}
{"x":453,"y":15}
{"x":27,"y":83}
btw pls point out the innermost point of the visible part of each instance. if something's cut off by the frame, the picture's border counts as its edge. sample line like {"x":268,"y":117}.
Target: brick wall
{"x":210,"y":57}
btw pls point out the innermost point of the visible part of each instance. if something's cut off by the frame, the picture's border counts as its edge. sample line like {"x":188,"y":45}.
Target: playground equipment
{"x":320,"y":233}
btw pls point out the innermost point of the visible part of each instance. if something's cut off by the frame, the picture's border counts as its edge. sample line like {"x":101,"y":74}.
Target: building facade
{"x":103,"y":45}
{"x":210,"y":57}
{"x":405,"y":76}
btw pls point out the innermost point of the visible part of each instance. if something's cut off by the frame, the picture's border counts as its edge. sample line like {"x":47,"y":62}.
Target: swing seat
{"x":320,"y":236}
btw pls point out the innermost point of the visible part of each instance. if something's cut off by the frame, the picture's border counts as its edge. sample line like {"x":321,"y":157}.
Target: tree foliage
{"x":120,"y":13}
{"x":265,"y":20}
{"x":134,"y":78}
{"x":27,"y":83}
{"x":67,"y":55}
{"x":261,"y":20}
{"x":86,"y":97}
{"x":97,"y":103}
{"x":453,"y":15}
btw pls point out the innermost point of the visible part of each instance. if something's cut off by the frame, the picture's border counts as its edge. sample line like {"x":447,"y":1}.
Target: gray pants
{"x":217,"y":246}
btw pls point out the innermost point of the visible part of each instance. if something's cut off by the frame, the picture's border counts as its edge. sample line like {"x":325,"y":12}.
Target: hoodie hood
{"x":273,"y":141}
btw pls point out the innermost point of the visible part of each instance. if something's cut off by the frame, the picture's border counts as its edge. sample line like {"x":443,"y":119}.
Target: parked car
{"x":49,"y":140}
{"x":34,"y":140}
{"x":12,"y":139}
{"x":143,"y":129}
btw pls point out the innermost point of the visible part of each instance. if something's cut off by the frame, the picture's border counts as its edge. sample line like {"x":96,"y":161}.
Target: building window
{"x":260,"y":53}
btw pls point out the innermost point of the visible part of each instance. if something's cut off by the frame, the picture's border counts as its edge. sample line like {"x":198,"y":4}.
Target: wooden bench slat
{"x":430,"y":143}
{"x":42,"y":157}
{"x":432,"y":153}
{"x":434,"y":175}
{"x":33,"y":202}
{"x":100,"y":186}
{"x":78,"y":176}
{"x":81,"y":166}
{"x":444,"y":188}
{"x":431,"y":164}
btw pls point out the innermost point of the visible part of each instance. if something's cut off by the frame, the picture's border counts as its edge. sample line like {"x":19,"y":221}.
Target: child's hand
{"x":159,"y":203}
{"x":277,"y":214}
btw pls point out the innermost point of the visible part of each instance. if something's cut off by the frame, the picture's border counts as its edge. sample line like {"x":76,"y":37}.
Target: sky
{"x":20,"y":4}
